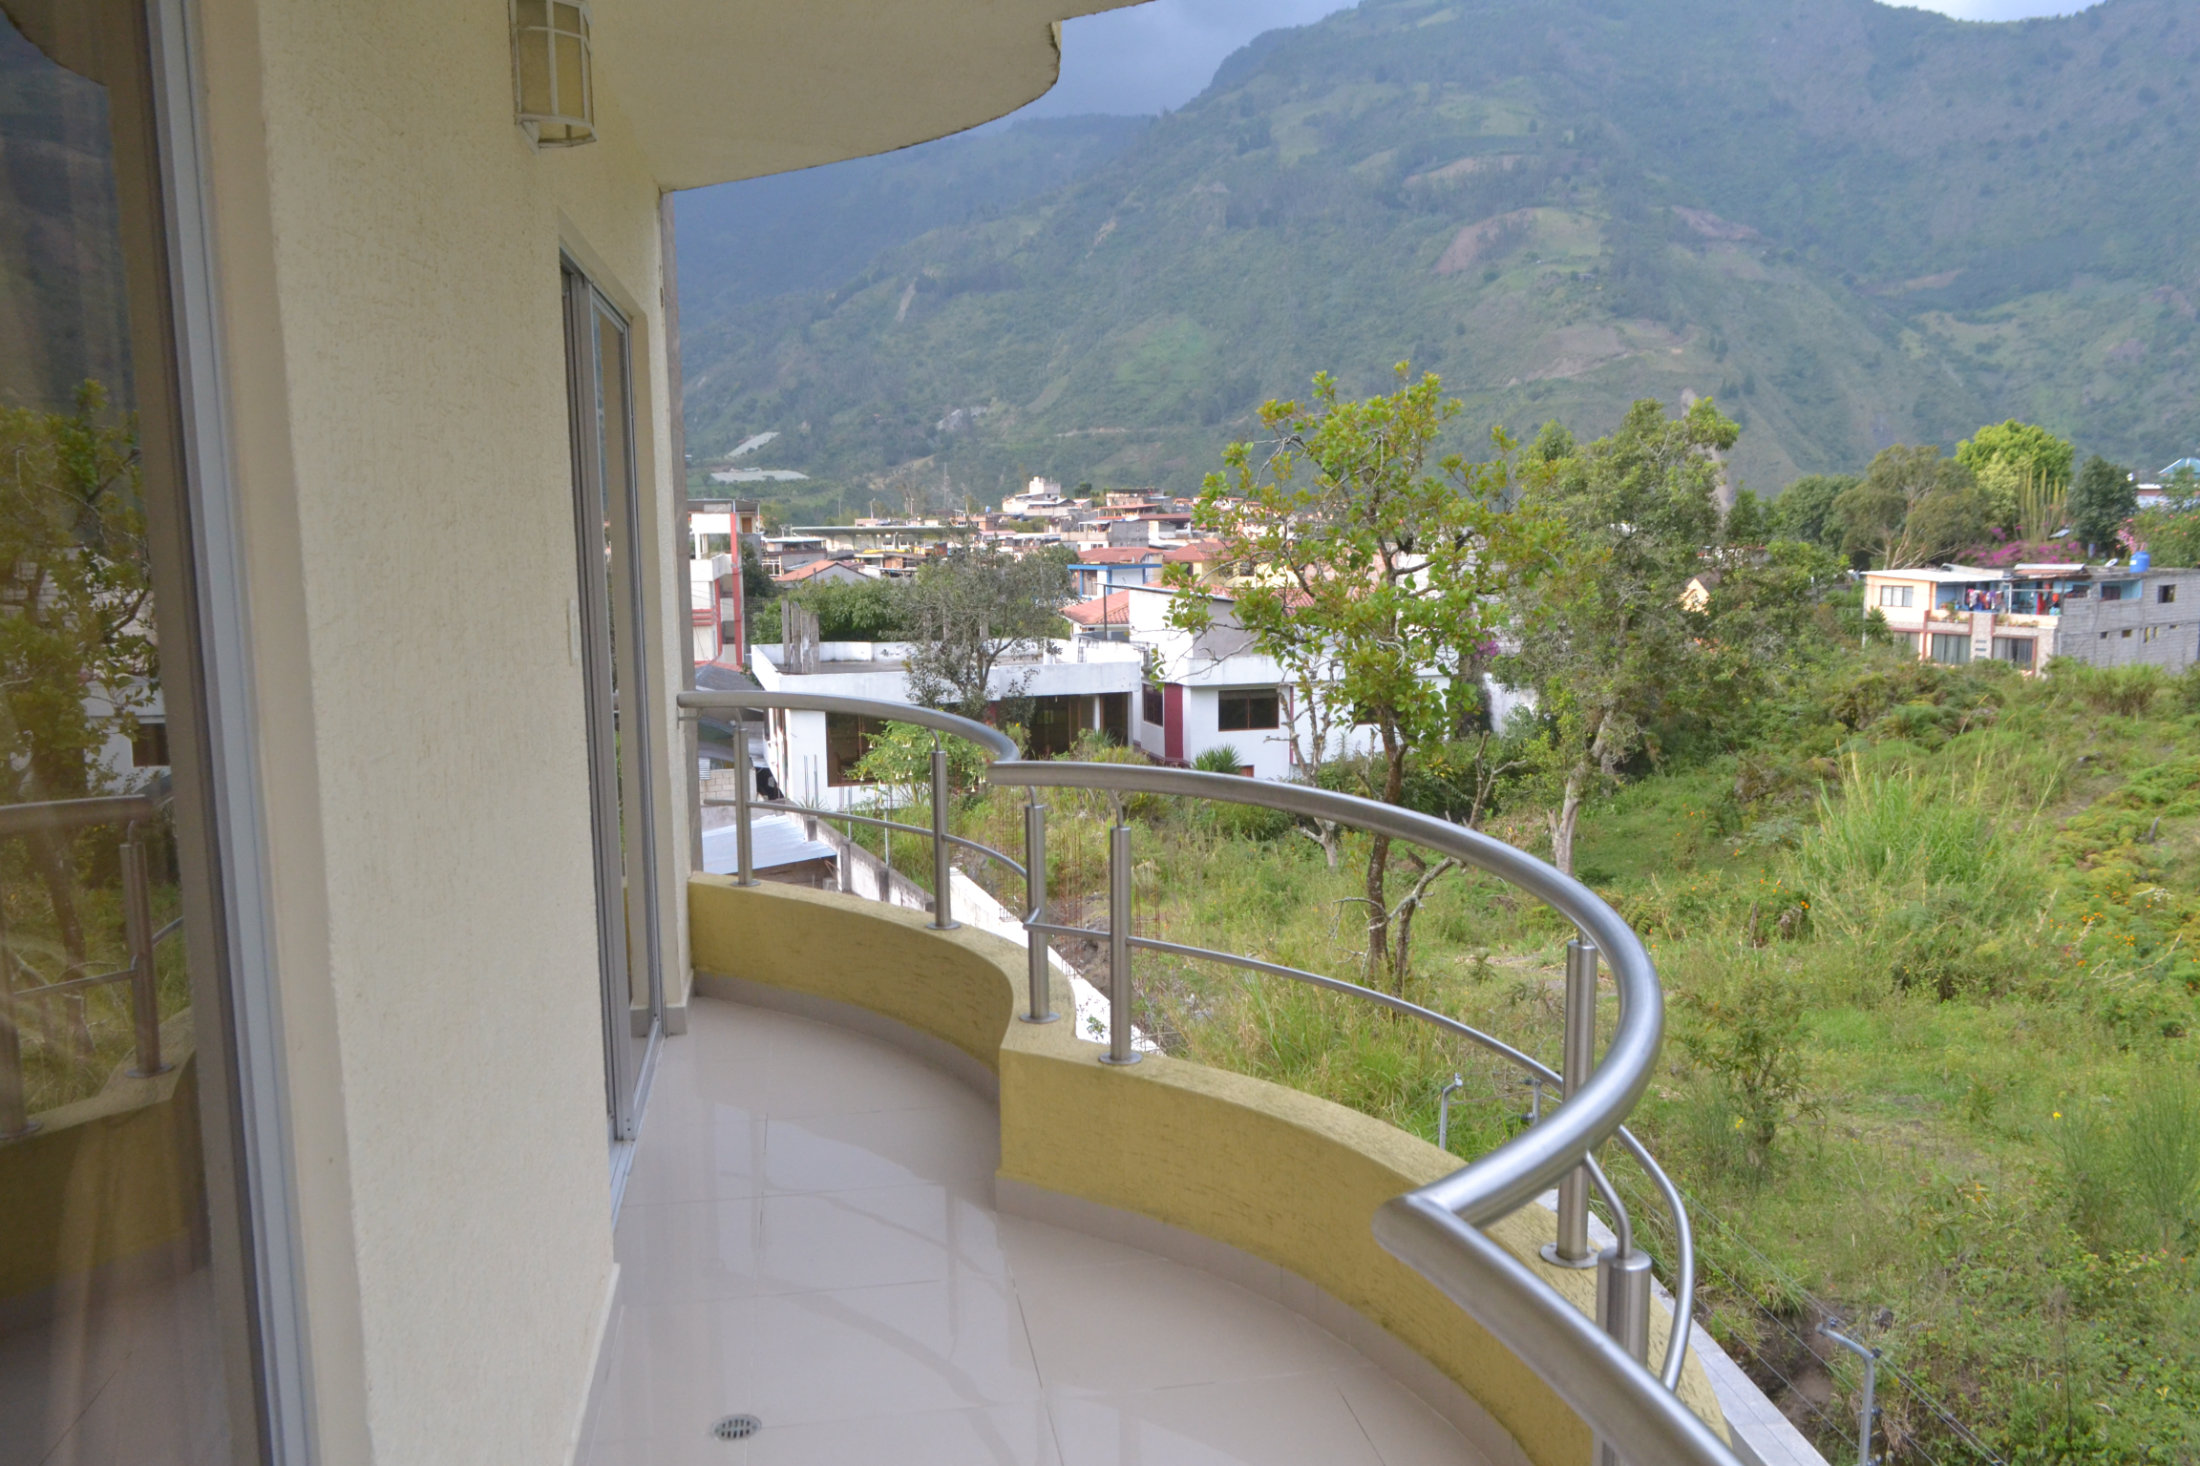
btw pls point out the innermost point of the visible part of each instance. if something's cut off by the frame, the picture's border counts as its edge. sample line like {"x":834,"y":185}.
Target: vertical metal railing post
{"x":1119,"y":945}
{"x":1867,"y":1411}
{"x":1623,"y":1312}
{"x":1577,"y":1063}
{"x":1443,"y":1111}
{"x":744,"y":794}
{"x":137,"y":926}
{"x":14,"y":1115}
{"x":943,"y":854}
{"x":1041,"y":976}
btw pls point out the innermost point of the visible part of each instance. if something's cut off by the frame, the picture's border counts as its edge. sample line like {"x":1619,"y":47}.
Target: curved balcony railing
{"x":1597,"y":1366}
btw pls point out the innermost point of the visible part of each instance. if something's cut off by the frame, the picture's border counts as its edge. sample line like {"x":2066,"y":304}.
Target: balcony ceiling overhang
{"x":724,"y":89}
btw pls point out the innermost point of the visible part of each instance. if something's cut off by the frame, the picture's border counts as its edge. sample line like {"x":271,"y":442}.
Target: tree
{"x":2102,"y":501}
{"x":1605,"y":639}
{"x":1748,"y":520}
{"x":1370,"y":571}
{"x":963,"y":615}
{"x":1804,"y":510}
{"x":2008,"y":459}
{"x":77,"y":656}
{"x":1880,"y":517}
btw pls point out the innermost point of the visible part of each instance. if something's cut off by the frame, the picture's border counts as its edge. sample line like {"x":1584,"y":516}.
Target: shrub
{"x":2127,"y":692}
{"x":1748,"y":1039}
{"x":1221,"y":759}
{"x":2161,"y":1152}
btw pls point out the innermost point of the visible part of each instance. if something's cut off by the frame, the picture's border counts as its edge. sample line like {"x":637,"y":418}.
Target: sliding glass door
{"x":130,"y":1171}
{"x":608,"y":619}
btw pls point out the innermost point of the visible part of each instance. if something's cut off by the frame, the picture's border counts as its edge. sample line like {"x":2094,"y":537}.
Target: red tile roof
{"x":1118,"y":555}
{"x":1112,"y":610}
{"x":816,"y":567}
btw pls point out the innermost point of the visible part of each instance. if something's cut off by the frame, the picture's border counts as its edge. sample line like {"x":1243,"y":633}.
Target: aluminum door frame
{"x":618,"y":768}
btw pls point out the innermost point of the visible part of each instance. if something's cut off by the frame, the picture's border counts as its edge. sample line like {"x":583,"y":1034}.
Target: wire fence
{"x":1774,"y":1342}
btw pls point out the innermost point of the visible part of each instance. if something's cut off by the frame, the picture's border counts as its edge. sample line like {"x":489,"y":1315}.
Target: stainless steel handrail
{"x":1684,"y":1290}
{"x":1516,"y":1172}
{"x":992,"y":740}
{"x":809,"y":812}
{"x":1596,"y":1366}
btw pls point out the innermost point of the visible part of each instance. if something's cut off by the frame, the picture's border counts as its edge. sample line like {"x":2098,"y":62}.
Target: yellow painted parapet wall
{"x":106,"y":1182}
{"x":1284,"y":1176}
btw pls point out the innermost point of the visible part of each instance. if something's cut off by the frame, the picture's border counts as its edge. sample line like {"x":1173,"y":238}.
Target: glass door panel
{"x":121,"y":1272}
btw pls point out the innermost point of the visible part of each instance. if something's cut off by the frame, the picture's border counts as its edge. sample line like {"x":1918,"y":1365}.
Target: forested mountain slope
{"x":1852,"y":224}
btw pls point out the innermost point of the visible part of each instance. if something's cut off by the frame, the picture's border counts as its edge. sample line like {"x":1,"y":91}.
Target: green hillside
{"x":1852,"y":224}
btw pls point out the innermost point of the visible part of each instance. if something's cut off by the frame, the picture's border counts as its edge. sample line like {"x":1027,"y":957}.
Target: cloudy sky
{"x":1162,"y":54}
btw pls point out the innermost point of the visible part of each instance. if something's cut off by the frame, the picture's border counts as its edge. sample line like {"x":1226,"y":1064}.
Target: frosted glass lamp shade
{"x":551,"y":72}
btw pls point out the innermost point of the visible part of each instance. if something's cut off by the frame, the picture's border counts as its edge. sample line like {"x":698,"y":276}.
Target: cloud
{"x":2003,"y":9}
{"x":1153,"y":57}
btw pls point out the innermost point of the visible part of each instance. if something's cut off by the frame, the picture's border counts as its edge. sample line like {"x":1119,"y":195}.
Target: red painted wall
{"x":1172,"y":730}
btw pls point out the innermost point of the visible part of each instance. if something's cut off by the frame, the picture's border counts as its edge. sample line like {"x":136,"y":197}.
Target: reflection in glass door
{"x":607,"y":515}
{"x":123,"y":1292}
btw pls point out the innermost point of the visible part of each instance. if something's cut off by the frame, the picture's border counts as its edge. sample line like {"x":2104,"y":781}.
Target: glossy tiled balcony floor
{"x":808,"y":1236}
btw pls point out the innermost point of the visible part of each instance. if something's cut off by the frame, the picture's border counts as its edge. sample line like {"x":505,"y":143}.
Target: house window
{"x":847,"y":739}
{"x":2151,"y":633}
{"x":2164,"y":594}
{"x":1896,"y":595}
{"x":1955,"y":650}
{"x":1152,"y":706}
{"x":1245,"y":711}
{"x":2127,"y":633}
{"x":2120,"y":590}
{"x":2075,"y":593}
{"x":149,"y":750}
{"x":2014,"y":649}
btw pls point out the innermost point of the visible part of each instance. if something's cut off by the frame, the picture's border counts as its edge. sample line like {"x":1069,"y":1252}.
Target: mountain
{"x":1852,"y":224}
{"x":62,"y":310}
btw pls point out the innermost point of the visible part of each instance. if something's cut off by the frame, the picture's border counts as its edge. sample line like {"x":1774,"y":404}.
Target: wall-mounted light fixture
{"x":552,"y":72}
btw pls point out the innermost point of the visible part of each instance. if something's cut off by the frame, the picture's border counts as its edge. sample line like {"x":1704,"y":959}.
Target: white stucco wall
{"x":388,"y":245}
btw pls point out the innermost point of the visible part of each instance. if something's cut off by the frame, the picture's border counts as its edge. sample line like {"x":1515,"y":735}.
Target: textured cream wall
{"x":389,"y":252}
{"x":1287,"y":1177}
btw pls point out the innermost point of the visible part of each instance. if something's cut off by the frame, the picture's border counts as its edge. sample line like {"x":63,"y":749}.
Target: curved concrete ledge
{"x":113,"y":1180}
{"x":1269,"y":1173}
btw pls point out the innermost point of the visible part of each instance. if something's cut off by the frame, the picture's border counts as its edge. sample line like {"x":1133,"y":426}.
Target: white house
{"x":1215,"y":691}
{"x":1073,"y":687}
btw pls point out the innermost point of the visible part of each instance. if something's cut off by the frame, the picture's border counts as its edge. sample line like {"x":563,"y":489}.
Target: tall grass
{"x":2161,"y":1152}
{"x":1900,"y":834}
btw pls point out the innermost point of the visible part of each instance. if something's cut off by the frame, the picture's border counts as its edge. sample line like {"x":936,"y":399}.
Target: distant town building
{"x":1063,"y":690}
{"x":2103,"y":615}
{"x":822,"y":572}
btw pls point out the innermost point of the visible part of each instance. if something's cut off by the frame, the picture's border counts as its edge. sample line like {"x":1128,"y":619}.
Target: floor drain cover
{"x":737,"y":1427}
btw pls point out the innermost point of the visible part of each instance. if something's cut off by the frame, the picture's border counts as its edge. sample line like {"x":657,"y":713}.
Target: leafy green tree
{"x":1605,"y":639}
{"x":899,"y":758}
{"x":1748,"y":520}
{"x":77,"y":655}
{"x":2102,"y":501}
{"x":962,"y":616}
{"x":1912,"y":506}
{"x":872,"y":610}
{"x":1804,"y":509}
{"x":2007,"y":459}
{"x":1374,"y":569}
